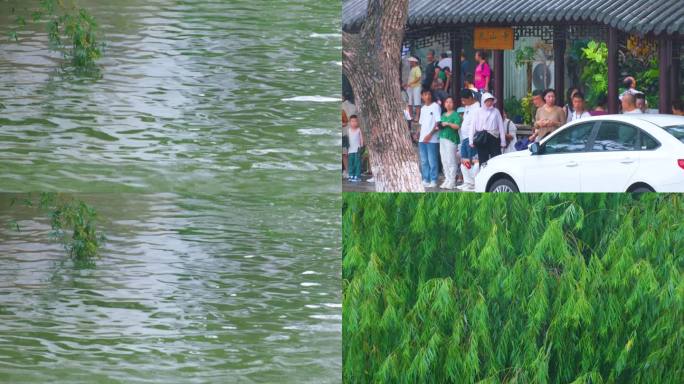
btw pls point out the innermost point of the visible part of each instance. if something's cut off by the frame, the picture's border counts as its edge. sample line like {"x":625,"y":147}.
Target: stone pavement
{"x":364,"y":186}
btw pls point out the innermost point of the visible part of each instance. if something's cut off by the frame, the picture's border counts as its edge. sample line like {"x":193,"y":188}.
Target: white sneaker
{"x":473,"y":172}
{"x":432,"y":184}
{"x":426,"y":184}
{"x":467,"y":176}
{"x":371,"y":180}
{"x":450,"y":186}
{"x":469,"y":188}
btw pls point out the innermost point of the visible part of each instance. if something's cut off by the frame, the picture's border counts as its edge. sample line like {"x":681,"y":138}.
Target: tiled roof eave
{"x":656,"y":17}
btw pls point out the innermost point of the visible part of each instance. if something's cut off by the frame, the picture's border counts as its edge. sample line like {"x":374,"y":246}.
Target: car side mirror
{"x":535,"y":148}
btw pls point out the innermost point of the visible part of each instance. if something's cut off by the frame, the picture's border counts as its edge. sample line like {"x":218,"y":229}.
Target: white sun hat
{"x":486,"y":96}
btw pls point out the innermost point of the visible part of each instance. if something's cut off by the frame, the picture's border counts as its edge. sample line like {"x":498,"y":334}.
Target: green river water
{"x":209,"y":148}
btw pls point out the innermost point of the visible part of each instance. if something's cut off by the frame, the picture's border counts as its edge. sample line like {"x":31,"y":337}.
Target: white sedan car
{"x":610,"y":153}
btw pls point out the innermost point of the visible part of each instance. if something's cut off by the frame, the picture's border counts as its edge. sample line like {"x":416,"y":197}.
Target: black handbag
{"x":480,"y":139}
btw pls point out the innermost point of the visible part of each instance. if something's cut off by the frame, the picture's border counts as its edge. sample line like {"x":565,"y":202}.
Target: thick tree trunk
{"x":370,"y":61}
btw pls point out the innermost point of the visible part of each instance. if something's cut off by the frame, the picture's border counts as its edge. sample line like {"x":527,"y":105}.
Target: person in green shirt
{"x":449,"y":140}
{"x":442,"y":75}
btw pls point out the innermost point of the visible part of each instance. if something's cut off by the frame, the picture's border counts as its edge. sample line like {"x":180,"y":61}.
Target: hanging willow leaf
{"x":525,"y":288}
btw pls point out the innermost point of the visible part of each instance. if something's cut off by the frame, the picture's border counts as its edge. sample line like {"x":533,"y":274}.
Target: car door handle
{"x":627,"y":160}
{"x":571,"y":164}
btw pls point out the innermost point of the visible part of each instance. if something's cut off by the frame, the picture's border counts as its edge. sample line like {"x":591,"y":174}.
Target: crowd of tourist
{"x":437,"y":77}
{"x":459,"y":139}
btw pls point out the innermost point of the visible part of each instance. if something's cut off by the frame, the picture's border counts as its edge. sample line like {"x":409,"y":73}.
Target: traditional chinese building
{"x":653,"y":28}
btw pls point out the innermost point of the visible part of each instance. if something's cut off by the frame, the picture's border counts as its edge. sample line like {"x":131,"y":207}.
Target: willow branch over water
{"x":71,"y":30}
{"x":73,"y":223}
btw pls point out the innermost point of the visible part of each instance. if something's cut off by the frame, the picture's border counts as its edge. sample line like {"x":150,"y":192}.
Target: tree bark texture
{"x":370,"y":61}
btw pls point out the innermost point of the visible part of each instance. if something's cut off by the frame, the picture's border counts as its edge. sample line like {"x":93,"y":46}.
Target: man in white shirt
{"x":428,"y":142}
{"x":640,"y":102}
{"x":578,"y":111}
{"x":445,"y":61}
{"x":630,"y":84}
{"x":629,"y":104}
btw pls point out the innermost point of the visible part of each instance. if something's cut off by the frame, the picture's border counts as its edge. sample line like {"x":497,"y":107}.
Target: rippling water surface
{"x":216,"y":96}
{"x":187,"y":289}
{"x":209,"y":147}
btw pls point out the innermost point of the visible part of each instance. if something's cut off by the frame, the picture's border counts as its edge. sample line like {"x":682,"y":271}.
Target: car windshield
{"x":677,"y":131}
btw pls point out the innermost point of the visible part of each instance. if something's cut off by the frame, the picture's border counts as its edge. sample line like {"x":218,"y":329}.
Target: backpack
{"x":522,"y":144}
{"x":478,"y":96}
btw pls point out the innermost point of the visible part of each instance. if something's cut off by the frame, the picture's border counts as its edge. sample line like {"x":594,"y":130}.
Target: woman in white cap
{"x":488,"y":124}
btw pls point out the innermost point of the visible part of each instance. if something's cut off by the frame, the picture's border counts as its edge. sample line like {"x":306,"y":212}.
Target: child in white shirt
{"x":355,"y":143}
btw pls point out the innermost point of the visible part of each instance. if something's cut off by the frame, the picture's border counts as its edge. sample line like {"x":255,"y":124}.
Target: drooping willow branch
{"x":73,"y":224}
{"x":526,"y":288}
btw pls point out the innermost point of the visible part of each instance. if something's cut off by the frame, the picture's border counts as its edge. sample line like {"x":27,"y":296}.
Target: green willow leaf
{"x":518,"y":288}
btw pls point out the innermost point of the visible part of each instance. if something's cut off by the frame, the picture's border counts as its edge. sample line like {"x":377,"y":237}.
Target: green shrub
{"x":513,"y":288}
{"x":595,"y":70}
{"x":513,"y":108}
{"x":528,"y":109}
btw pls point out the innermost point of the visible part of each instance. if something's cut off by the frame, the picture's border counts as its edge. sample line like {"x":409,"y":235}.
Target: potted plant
{"x":527,"y":109}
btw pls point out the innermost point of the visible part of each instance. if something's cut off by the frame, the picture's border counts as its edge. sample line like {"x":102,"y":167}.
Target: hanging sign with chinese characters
{"x":493,"y":38}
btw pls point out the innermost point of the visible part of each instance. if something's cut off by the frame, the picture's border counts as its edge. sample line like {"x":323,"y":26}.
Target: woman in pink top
{"x":482,"y":72}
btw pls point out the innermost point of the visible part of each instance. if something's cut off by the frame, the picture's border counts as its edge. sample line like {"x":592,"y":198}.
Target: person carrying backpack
{"x":511,"y":134}
{"x":487,"y":135}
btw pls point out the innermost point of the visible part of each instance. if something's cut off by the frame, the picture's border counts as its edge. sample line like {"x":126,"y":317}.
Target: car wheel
{"x":642,"y":189}
{"x":503,"y":185}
